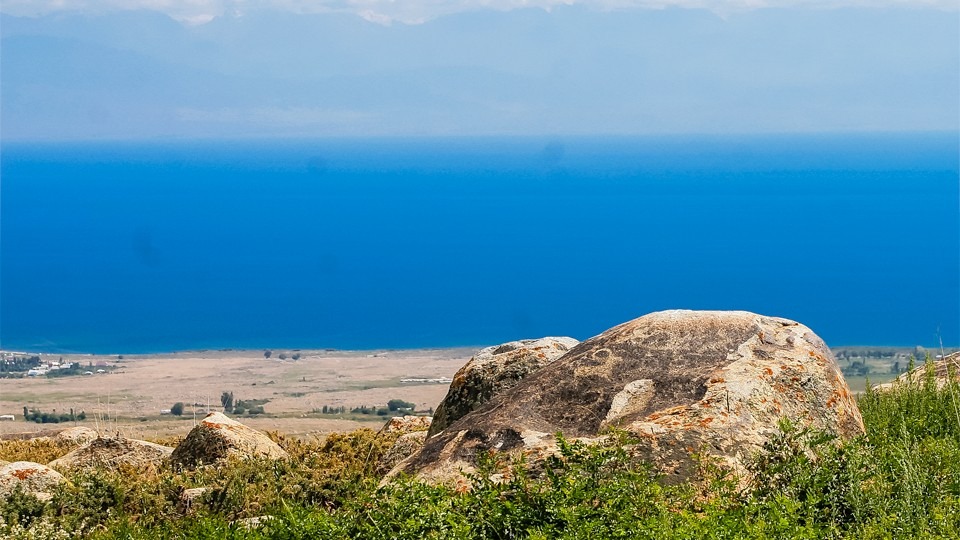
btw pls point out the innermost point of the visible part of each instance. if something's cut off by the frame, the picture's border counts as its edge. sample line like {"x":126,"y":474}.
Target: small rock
{"x":253,"y":522}
{"x":407,"y":424}
{"x":111,"y":453}
{"x":189,"y":497}
{"x":35,"y":479}
{"x":218,"y":437}
{"x":404,"y":447}
{"x":76,"y":435}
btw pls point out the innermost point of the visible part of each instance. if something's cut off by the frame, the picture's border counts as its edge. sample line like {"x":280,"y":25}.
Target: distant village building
{"x":7,"y":418}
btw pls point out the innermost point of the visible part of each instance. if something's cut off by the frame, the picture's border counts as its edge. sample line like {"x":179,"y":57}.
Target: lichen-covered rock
{"x":33,"y":478}
{"x":493,"y":370}
{"x":940,"y":370}
{"x":76,"y":435}
{"x":402,"y":448}
{"x":407,"y":424}
{"x":218,"y":437}
{"x":112,"y":453}
{"x":682,"y":382}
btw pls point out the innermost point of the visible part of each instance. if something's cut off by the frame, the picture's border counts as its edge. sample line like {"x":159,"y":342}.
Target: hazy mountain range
{"x":572,"y":70}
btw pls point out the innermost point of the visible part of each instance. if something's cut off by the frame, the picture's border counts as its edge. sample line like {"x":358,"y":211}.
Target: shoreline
{"x":234,"y":350}
{"x":329,"y":350}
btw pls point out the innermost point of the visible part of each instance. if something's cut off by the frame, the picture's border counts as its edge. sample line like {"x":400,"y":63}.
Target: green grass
{"x":900,"y":481}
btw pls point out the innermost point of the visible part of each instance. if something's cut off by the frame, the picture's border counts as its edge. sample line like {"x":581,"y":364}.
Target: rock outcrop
{"x":493,"y":370}
{"x":218,"y":437}
{"x":33,"y":478}
{"x":112,"y":453}
{"x":940,"y":370}
{"x":681,"y":382}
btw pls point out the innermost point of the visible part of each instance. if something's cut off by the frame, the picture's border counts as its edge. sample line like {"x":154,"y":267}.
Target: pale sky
{"x":130,"y":69}
{"x":419,"y":11}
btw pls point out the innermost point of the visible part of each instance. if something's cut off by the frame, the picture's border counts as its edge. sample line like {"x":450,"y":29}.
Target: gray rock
{"x":493,"y":370}
{"x":682,"y":382}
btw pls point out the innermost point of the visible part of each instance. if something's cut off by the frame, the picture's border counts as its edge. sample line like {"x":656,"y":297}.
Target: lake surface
{"x":369,"y":243}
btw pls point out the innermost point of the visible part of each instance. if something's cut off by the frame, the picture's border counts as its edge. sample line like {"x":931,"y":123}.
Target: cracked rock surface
{"x":494,"y":370}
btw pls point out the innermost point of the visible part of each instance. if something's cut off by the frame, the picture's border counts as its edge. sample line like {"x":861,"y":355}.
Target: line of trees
{"x":40,"y":417}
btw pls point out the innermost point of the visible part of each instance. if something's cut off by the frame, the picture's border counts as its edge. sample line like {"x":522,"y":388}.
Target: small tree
{"x":296,"y":356}
{"x":283,"y":356}
{"x":397,"y":404}
{"x":226,"y":399}
{"x":177,"y":409}
{"x":267,"y":354}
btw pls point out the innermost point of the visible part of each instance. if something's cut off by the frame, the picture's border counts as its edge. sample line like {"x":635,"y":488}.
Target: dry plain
{"x":130,"y":395}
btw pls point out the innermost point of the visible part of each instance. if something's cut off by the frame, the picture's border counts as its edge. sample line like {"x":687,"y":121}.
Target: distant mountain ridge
{"x":572,"y":71}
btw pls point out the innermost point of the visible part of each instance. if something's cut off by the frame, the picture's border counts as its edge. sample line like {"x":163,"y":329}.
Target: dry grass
{"x":129,"y":399}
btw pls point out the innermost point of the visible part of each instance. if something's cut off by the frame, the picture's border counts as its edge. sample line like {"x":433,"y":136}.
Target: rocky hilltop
{"x":681,"y":382}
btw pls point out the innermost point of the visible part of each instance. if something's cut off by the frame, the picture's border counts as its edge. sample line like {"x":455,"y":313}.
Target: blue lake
{"x":369,"y":243}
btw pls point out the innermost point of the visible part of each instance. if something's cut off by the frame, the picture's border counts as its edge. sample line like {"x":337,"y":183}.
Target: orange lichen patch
{"x":795,"y":379}
{"x":812,"y":353}
{"x":23,"y":474}
{"x":768,"y":371}
{"x":717,"y":380}
{"x":705,"y":421}
{"x":832,"y":402}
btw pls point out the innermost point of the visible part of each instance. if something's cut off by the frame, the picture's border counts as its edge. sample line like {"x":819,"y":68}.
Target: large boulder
{"x":493,"y":370}
{"x":218,"y":437}
{"x":682,"y":382}
{"x":33,"y":478}
{"x":112,"y":453}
